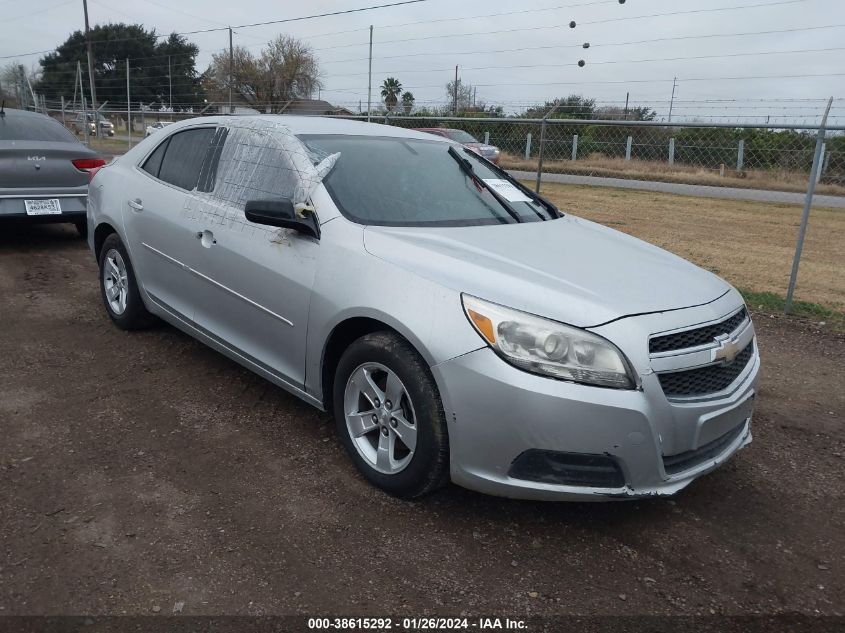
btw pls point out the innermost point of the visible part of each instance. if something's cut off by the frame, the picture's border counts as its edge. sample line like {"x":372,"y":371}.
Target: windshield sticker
{"x":506,"y":190}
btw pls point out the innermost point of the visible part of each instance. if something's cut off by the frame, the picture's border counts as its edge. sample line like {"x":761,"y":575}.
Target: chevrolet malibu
{"x":455,"y":324}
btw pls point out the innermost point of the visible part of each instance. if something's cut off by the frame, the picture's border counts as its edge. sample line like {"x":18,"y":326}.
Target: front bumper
{"x":496,"y":412}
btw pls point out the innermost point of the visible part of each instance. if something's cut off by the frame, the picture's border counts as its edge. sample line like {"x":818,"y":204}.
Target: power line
{"x":333,"y":13}
{"x":558,"y":26}
{"x":617,"y":81}
{"x":241,"y":26}
{"x":453,"y":54}
{"x":620,"y":61}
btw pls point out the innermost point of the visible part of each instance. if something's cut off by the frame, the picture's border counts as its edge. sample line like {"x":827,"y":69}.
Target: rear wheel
{"x":119,"y":288}
{"x":389,"y":416}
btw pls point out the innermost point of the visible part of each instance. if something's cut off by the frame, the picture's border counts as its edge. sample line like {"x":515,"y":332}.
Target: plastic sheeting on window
{"x":260,"y":160}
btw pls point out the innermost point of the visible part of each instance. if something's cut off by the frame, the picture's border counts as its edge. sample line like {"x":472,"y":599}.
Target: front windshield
{"x":411,"y":182}
{"x":460,"y":136}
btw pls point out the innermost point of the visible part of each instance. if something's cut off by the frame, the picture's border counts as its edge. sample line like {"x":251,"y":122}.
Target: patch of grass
{"x":751,"y":244}
{"x":775,"y":303}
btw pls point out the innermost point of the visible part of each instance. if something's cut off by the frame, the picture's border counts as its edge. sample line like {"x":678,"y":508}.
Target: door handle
{"x":136,"y":204}
{"x":206,"y":237}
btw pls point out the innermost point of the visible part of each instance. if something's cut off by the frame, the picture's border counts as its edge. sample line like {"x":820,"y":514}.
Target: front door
{"x":258,"y":279}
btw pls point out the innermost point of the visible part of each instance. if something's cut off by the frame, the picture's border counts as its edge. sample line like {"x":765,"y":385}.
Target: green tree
{"x":112,"y":44}
{"x":571,"y":107}
{"x":408,"y":101}
{"x":390,"y":90}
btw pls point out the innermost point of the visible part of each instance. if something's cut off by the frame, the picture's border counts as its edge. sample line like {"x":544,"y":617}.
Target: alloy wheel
{"x":115,"y":281}
{"x":380,"y":418}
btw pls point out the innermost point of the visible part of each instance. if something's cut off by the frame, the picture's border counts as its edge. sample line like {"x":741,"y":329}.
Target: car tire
{"x":381,"y":453}
{"x":82,"y":228}
{"x":124,"y":306}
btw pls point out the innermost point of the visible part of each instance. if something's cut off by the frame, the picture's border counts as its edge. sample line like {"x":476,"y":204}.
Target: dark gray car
{"x":44,"y":170}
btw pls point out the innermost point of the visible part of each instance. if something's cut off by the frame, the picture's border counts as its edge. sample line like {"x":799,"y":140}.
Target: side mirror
{"x":280,"y":212}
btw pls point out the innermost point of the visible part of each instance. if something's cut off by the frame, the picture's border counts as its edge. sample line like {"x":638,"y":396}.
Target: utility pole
{"x":672,"y":102}
{"x":370,"y":78}
{"x":231,"y":70}
{"x":170,"y":83}
{"x":91,"y":69}
{"x":455,"y":91}
{"x":82,"y":99}
{"x":627,"y":96}
{"x":23,"y":95}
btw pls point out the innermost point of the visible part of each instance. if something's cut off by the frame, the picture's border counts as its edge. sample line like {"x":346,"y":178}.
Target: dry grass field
{"x":601,"y":166}
{"x":751,"y":244}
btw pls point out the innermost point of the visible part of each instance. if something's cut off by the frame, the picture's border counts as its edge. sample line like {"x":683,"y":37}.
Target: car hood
{"x":570,"y":269}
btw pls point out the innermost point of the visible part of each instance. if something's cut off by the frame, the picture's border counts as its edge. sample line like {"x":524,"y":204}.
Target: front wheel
{"x":389,"y":416}
{"x":119,"y":287}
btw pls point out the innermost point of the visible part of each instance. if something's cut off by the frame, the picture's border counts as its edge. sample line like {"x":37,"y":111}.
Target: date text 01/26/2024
{"x":416,"y":624}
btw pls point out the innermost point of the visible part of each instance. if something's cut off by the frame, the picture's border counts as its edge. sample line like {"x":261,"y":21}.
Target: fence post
{"x":128,"y":109}
{"x":821,"y":163}
{"x":143,"y":118}
{"x":574,"y":146}
{"x":528,"y":146}
{"x":487,"y":138}
{"x":63,"y":111}
{"x":672,"y":151}
{"x":805,"y":216}
{"x":540,"y":154}
{"x":628,"y":147}
{"x":740,"y":155}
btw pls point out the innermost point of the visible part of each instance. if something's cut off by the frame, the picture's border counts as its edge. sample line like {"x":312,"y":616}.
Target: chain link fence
{"x":774,"y":164}
{"x":727,"y":155}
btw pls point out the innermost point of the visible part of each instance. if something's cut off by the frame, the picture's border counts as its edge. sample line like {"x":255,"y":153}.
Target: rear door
{"x":159,"y":199}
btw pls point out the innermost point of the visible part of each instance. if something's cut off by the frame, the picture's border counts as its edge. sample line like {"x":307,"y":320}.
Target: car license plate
{"x":43,"y":207}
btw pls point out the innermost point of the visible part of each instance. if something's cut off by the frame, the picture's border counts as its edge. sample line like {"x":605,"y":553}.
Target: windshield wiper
{"x":466,"y":167}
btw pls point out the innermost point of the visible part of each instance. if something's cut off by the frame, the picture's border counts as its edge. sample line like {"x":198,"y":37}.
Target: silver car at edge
{"x":456,"y":325}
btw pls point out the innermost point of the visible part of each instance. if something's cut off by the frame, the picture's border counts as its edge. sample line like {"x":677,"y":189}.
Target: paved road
{"x":736,"y":193}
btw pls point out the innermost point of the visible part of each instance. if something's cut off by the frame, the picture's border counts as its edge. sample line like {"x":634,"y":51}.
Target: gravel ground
{"x":144,"y":470}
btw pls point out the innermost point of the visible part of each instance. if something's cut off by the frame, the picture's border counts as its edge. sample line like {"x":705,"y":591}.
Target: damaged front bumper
{"x":519,"y":435}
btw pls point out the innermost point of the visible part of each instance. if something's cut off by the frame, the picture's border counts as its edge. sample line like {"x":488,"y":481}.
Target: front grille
{"x":698,"y":336}
{"x":570,"y":469}
{"x":674,"y":464}
{"x":704,"y":380}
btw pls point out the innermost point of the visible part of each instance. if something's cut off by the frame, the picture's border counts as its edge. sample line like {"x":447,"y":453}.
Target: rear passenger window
{"x":184,"y":156}
{"x":153,"y":163}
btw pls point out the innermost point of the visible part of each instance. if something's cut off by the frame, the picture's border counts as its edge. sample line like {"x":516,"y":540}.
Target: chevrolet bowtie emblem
{"x":727,"y":350}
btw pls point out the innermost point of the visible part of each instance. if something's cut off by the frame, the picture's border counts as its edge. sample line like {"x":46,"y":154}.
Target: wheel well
{"x":100,"y":234}
{"x":343,"y":336}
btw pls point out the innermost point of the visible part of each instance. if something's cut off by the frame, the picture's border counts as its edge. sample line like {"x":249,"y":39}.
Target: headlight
{"x":546,"y":347}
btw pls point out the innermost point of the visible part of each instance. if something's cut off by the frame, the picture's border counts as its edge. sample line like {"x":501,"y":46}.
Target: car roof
{"x":305,"y":125}
{"x":15,"y":112}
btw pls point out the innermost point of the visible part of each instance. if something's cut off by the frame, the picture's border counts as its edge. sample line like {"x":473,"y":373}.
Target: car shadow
{"x":21,"y":234}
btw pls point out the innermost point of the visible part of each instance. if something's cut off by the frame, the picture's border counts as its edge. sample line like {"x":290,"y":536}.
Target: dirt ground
{"x":142,"y":470}
{"x":751,"y":244}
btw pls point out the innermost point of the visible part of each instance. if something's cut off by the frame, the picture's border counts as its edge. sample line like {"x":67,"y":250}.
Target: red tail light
{"x":85,"y":164}
{"x":91,"y":165}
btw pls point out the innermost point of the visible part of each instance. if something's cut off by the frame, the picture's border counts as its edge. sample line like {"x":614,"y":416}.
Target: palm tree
{"x":407,"y":101}
{"x":390,"y":90}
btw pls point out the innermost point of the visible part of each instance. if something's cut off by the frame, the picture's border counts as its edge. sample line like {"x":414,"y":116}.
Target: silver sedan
{"x":456,"y":325}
